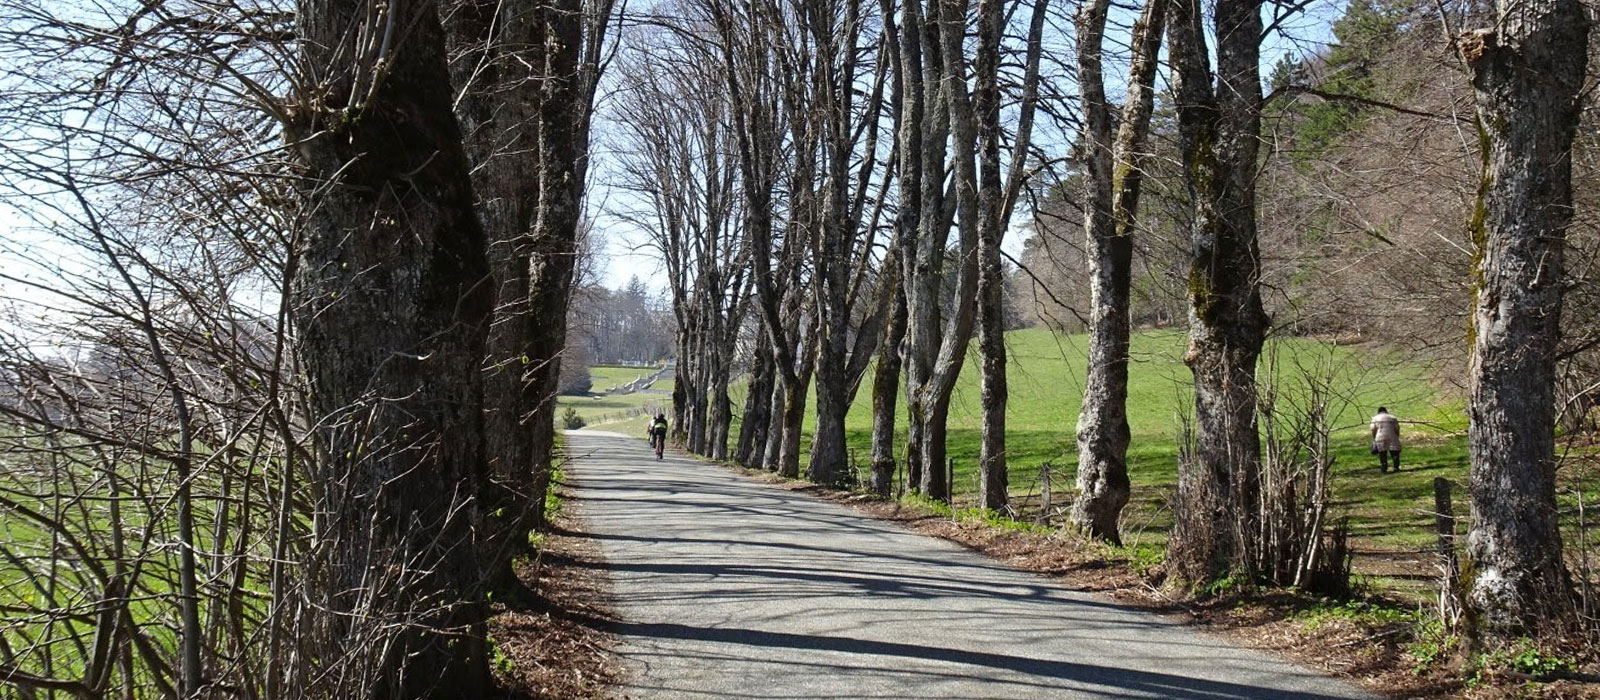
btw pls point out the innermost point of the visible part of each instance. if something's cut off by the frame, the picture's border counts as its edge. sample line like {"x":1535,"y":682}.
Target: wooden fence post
{"x":1444,"y":523}
{"x":1044,"y":493}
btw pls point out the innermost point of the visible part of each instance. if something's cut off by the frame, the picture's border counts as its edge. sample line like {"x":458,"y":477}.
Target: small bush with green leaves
{"x":571,"y":420}
{"x":1526,"y":657}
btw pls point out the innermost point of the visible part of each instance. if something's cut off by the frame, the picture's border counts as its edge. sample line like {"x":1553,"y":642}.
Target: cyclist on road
{"x":658,"y":433}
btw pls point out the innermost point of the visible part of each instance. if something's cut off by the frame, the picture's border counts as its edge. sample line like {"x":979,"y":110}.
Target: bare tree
{"x":148,"y":418}
{"x":850,"y":317}
{"x":1113,"y":180}
{"x":680,"y":157}
{"x":996,"y":198}
{"x":1219,"y":124}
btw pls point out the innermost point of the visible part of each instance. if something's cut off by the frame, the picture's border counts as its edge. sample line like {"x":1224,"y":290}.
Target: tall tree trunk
{"x":885,"y":392}
{"x":1528,"y":72}
{"x":916,"y":428}
{"x":563,"y":146}
{"x":1219,"y":129}
{"x":828,"y":455}
{"x":924,"y":65}
{"x":684,"y":392}
{"x":910,"y":114}
{"x":719,"y":412}
{"x":396,"y":300}
{"x":680,"y":398}
{"x":794,"y":416}
{"x":772,"y":452}
{"x":993,"y":478}
{"x":1114,"y":173}
{"x":757,"y":408}
{"x":948,"y":349}
{"x":497,"y":112}
{"x":704,"y":364}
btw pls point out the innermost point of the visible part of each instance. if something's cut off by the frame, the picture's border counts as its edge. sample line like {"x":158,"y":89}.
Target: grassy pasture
{"x":1390,"y":515}
{"x":624,"y":413}
{"x":1045,"y":377}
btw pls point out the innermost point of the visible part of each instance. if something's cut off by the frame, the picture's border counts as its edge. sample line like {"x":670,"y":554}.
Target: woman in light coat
{"x":1386,"y":439}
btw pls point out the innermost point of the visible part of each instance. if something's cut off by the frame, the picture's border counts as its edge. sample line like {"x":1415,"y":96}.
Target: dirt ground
{"x":555,"y":645}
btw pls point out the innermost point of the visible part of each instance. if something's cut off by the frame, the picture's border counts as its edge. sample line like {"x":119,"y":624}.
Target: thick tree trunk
{"x":935,"y":485}
{"x":885,"y":394}
{"x":680,"y":400}
{"x":563,"y":152}
{"x":772,"y":452}
{"x":1528,"y":73}
{"x":719,"y":412}
{"x":919,"y":318}
{"x":1103,"y":433}
{"x":933,"y":337}
{"x":683,"y":389}
{"x":1113,"y":179}
{"x":757,"y":409}
{"x":497,"y":112}
{"x":1216,"y":506}
{"x":395,"y":304}
{"x":705,"y":361}
{"x":949,"y":339}
{"x":794,"y":417}
{"x":828,"y":456}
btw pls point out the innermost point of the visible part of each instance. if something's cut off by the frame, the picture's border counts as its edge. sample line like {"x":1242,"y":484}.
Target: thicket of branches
{"x":241,"y":318}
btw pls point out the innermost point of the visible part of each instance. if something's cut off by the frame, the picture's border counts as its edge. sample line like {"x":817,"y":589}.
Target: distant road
{"x":727,"y":588}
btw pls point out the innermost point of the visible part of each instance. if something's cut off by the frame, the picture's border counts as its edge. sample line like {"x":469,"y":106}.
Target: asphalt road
{"x":727,"y":588}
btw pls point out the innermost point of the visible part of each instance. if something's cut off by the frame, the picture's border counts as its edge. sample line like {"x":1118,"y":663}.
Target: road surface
{"x":727,"y":588}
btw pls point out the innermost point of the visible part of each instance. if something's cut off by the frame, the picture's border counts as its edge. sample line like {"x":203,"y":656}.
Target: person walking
{"x":1386,"y":439}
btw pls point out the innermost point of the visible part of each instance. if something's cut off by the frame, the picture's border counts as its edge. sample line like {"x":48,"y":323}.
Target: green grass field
{"x":623,"y":413}
{"x":1390,"y":515}
{"x":607,"y":378}
{"x":1045,"y":378}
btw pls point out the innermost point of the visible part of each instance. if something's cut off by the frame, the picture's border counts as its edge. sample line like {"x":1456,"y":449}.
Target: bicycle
{"x":658,"y":434}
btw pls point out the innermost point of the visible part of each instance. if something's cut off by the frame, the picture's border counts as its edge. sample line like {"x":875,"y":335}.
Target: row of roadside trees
{"x":830,"y":182}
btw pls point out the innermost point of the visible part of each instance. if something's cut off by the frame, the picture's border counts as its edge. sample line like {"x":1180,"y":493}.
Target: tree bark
{"x":773,"y":449}
{"x":719,"y":412}
{"x":793,"y":425}
{"x":923,"y":148}
{"x":494,"y":44}
{"x":993,"y":486}
{"x":563,"y":160}
{"x":1114,"y":173}
{"x":1219,"y":130}
{"x":946,"y":344}
{"x":757,"y":408}
{"x":885,"y":394}
{"x":1527,"y":72}
{"x":395,"y":303}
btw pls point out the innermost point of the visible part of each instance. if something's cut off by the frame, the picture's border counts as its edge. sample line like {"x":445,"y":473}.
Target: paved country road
{"x":727,"y":588}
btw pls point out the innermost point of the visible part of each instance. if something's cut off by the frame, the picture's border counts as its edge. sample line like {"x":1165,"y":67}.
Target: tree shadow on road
{"x":1102,"y":681}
